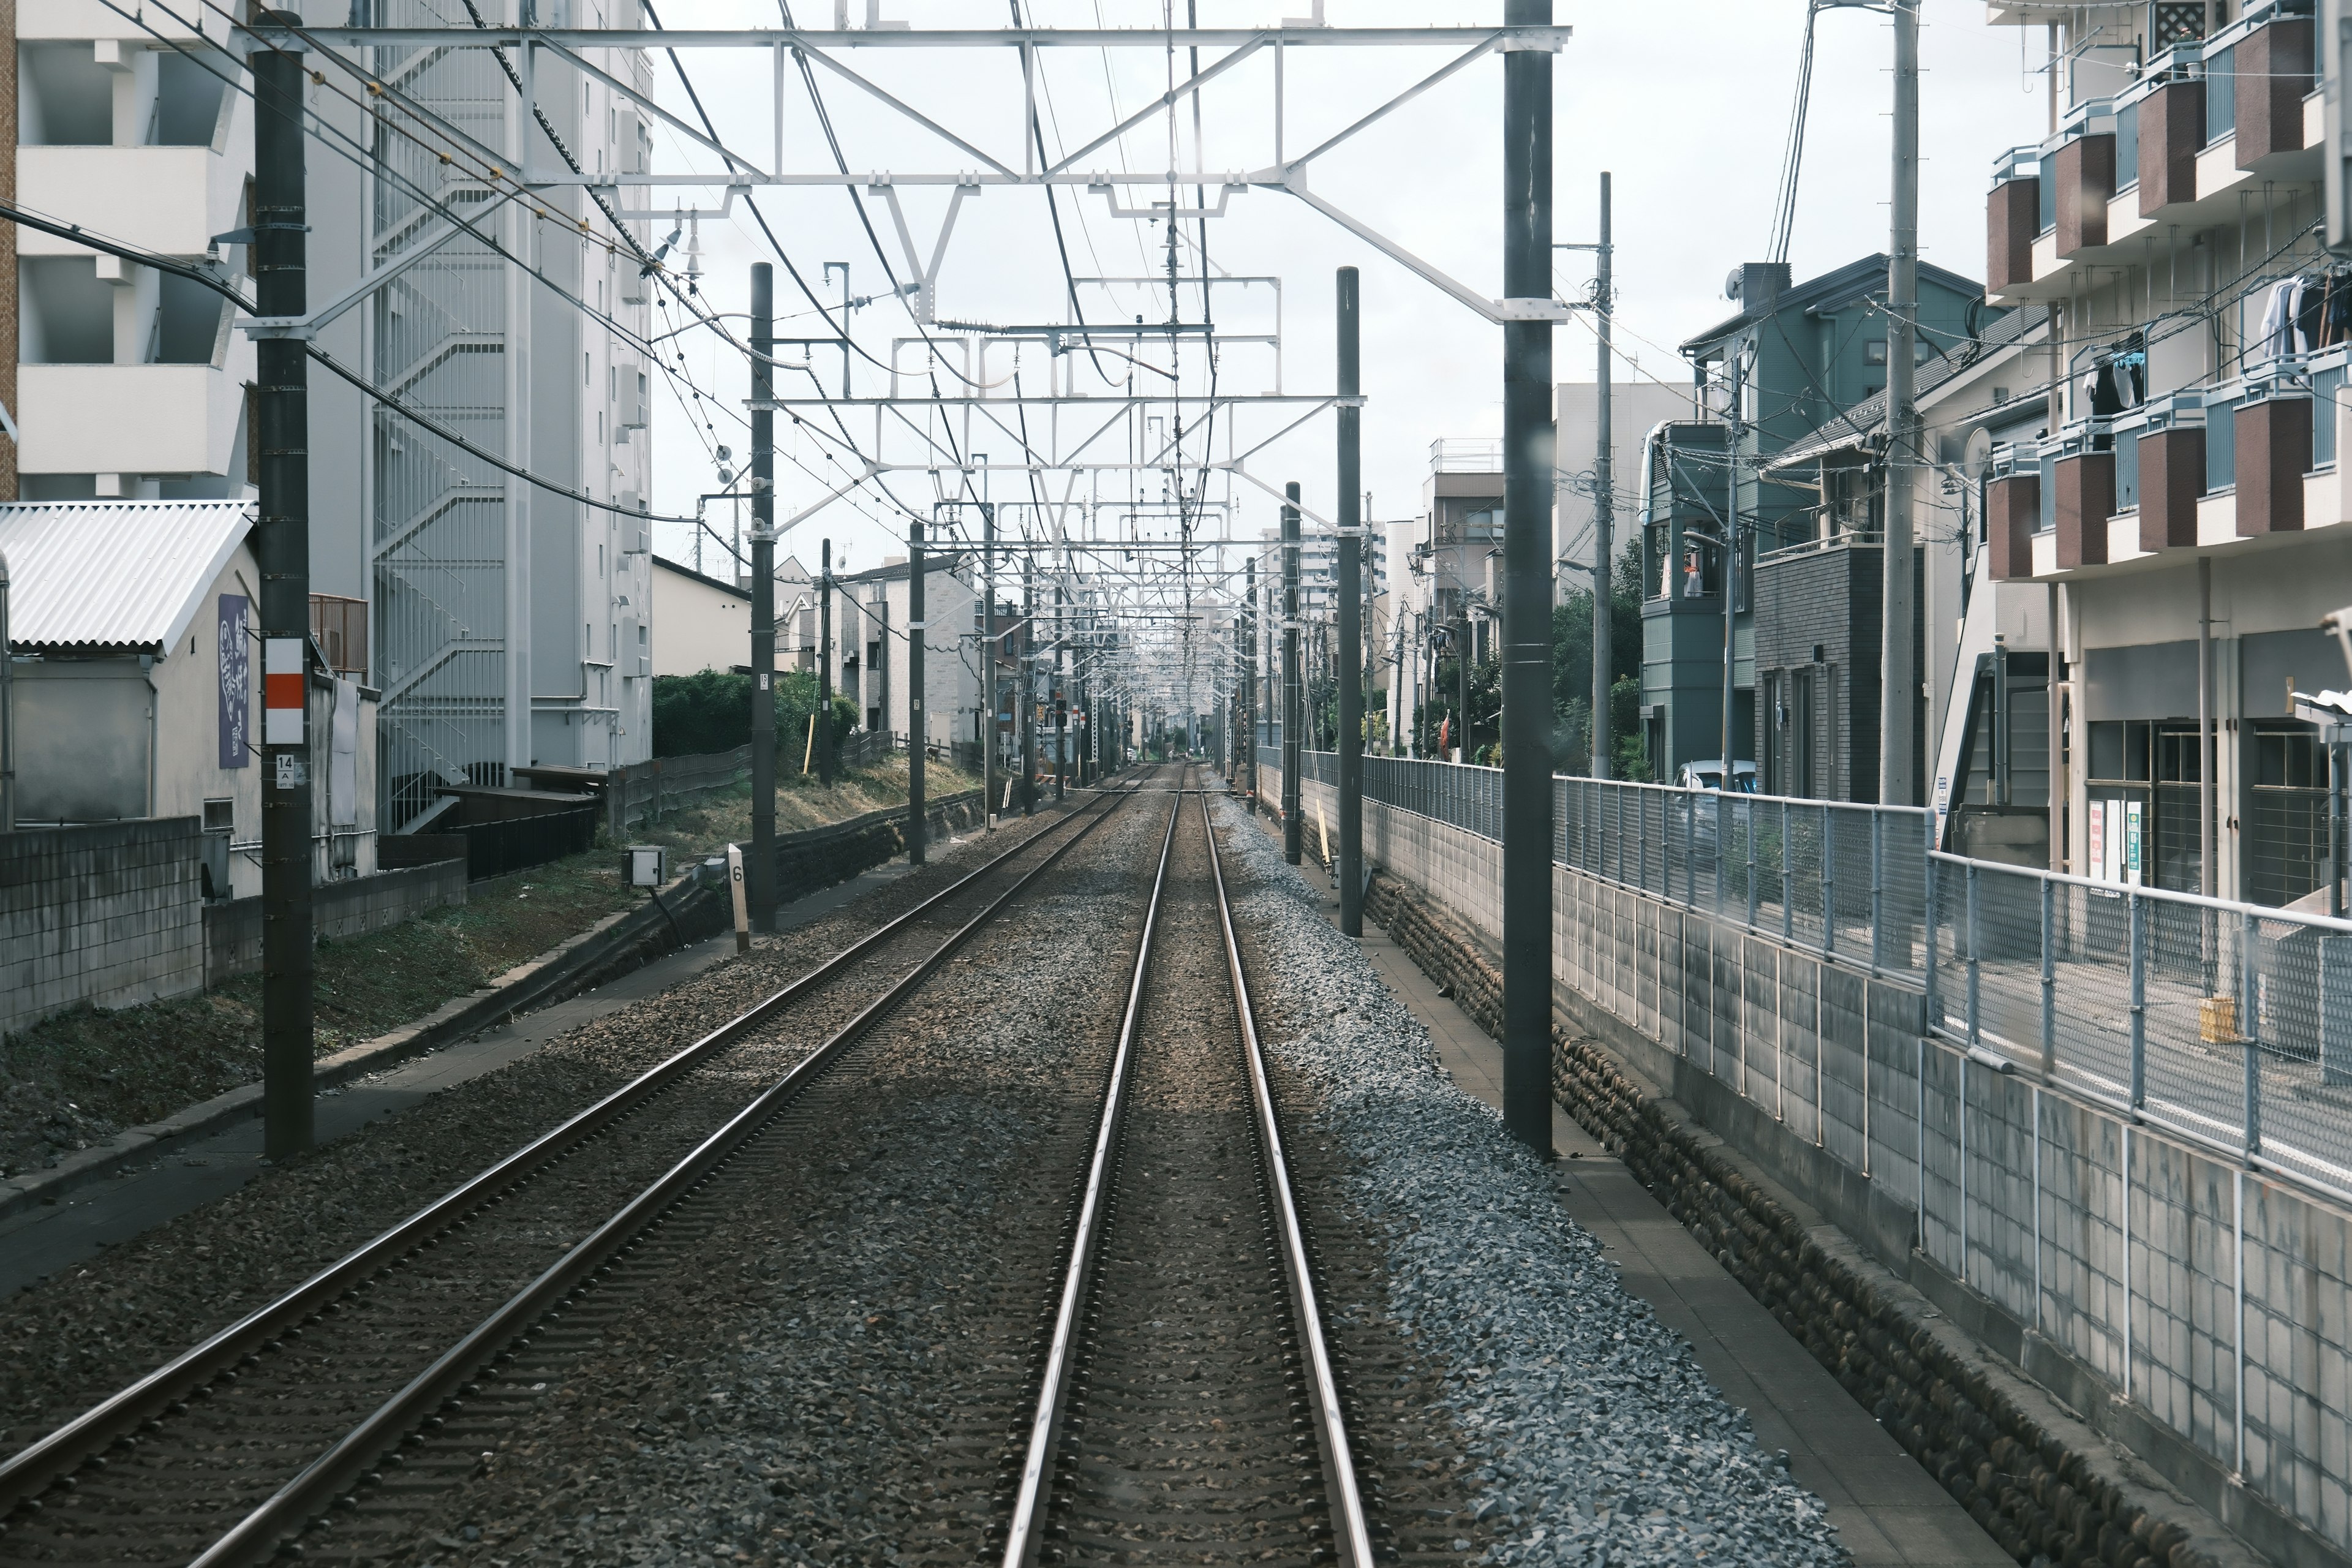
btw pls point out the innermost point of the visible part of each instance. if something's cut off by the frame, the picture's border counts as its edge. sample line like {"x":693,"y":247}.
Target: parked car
{"x":1708,"y":775}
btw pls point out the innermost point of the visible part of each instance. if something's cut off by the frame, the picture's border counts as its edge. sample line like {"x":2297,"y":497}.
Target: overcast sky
{"x":1685,"y":101}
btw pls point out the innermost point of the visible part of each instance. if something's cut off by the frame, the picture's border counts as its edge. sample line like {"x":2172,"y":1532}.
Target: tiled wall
{"x":2122,"y":1270}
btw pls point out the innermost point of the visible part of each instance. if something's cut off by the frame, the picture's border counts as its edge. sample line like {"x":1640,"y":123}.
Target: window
{"x":1874,"y":350}
{"x":220,"y":815}
{"x":2142,"y":790}
{"x":2286,"y":808}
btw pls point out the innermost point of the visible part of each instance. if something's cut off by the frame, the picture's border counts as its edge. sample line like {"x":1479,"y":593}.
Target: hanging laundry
{"x":2277,"y":338}
{"x":2311,"y":305}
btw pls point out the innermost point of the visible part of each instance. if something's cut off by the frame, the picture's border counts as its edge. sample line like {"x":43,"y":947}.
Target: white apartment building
{"x":512,"y":626}
{"x":506,"y":625}
{"x":129,"y":384}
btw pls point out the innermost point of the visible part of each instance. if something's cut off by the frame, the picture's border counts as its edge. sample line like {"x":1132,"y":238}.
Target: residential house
{"x":1794,"y":357}
{"x":134,"y":628}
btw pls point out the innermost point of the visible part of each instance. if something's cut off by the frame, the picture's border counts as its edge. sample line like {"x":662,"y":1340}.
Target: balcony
{"x":169,"y":200}
{"x":129,"y":418}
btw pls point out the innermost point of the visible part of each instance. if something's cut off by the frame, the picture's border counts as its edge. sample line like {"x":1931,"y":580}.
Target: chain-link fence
{"x":1825,"y":876}
{"x":2225,"y":1023}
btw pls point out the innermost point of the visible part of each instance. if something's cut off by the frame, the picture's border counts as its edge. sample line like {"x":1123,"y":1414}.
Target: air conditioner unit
{"x":635,"y":528}
{"x":629,"y":140}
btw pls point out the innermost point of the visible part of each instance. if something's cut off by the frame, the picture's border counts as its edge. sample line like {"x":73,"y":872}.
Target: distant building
{"x":1635,"y":408}
{"x":705,"y":623}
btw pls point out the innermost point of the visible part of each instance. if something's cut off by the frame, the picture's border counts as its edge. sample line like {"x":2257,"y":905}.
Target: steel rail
{"x":1027,"y":1529}
{"x":33,"y":1468}
{"x":1351,"y":1535}
{"x":325,"y":1479}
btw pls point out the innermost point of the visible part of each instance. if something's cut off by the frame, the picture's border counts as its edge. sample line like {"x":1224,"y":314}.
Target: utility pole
{"x":1899,"y":683}
{"x":1028,"y":668}
{"x":760,"y":876}
{"x":1352,"y":610}
{"x":1529,"y":454}
{"x":987,"y":658}
{"x":1249,"y":673}
{"x":1061,"y":702}
{"x":1463,"y":650}
{"x":1731,"y":560}
{"x":282,"y":547}
{"x":1290,"y":693}
{"x":824,"y":667}
{"x":916,"y":634}
{"x":1604,"y":506}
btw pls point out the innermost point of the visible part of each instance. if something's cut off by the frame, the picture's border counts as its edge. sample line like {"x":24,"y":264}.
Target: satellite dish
{"x":1976,"y":456}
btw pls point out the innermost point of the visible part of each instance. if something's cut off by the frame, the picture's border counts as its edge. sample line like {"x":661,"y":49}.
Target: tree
{"x":711,"y":711}
{"x":1571,"y":667}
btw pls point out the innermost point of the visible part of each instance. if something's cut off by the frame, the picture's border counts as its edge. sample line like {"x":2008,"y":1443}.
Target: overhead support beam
{"x":1155,"y":39}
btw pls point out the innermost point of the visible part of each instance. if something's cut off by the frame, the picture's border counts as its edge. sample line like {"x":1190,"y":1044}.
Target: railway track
{"x":323,"y":1422}
{"x":1188,"y":1406}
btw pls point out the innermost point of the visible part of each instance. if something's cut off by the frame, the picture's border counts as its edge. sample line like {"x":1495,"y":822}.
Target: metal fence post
{"x":1973,"y":960}
{"x":1722,"y":846}
{"x":1829,"y":881}
{"x":1788,"y":882}
{"x":1619,"y":796}
{"x":2250,"y":1032}
{"x":1642,"y":842}
{"x":1751,"y":864}
{"x":1690,"y":851}
{"x":2138,"y":998}
{"x":2049,"y":995}
{"x":1877,"y":889}
{"x":1927,"y":912}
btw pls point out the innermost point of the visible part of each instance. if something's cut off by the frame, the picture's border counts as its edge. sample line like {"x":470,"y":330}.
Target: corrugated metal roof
{"x":128,"y":575}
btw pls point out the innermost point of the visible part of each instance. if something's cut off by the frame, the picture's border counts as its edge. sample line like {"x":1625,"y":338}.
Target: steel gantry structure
{"x":1134,"y":599}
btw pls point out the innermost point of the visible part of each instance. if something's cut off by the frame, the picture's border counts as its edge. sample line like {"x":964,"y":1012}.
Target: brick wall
{"x":106,"y":914}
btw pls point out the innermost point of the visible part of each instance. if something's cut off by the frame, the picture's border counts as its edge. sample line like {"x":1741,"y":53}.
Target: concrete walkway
{"x":1886,"y":1508}
{"x":43,"y":1241}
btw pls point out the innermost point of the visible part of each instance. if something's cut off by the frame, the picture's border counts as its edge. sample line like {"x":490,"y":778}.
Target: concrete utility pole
{"x":1732,"y":563}
{"x":1528,"y":455}
{"x":1351,"y":612}
{"x":760,"y":876}
{"x":1028,"y":668}
{"x":1291,"y":714}
{"x":1249,"y":674}
{"x":914,"y":731}
{"x":1604,"y":505}
{"x":1899,"y":684}
{"x":987,"y":658}
{"x":1061,"y":702}
{"x":824,"y":667}
{"x":282,"y":548}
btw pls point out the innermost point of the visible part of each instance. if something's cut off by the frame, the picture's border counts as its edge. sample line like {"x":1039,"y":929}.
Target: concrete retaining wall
{"x":352,"y":908}
{"x":104,"y":914}
{"x":2142,"y":1281}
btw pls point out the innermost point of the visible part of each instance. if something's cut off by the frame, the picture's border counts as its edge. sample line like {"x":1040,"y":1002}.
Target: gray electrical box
{"x":645,"y":865}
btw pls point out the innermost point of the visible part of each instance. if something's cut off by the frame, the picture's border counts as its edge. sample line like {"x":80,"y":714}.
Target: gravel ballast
{"x":72,"y":1340}
{"x":1598,"y":1438}
{"x":836,"y":1377}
